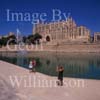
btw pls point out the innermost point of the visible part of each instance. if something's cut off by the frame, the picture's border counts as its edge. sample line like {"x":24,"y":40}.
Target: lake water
{"x":75,"y":65}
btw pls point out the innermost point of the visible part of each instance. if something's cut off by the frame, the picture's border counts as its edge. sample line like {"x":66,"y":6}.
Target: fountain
{"x":21,"y":51}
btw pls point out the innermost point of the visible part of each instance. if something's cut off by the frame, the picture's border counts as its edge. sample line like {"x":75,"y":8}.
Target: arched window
{"x":48,"y":38}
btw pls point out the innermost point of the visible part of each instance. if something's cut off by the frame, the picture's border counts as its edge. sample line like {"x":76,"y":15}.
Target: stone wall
{"x":75,"y":48}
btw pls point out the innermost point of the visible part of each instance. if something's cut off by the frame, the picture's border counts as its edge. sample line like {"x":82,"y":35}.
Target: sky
{"x":84,"y":12}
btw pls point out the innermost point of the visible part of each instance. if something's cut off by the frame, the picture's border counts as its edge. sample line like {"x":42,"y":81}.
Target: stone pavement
{"x":72,"y":90}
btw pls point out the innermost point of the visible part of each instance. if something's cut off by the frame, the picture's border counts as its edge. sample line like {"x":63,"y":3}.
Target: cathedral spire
{"x":68,"y":17}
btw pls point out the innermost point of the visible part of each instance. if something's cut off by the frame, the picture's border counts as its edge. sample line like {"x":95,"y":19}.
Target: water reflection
{"x":79,"y":66}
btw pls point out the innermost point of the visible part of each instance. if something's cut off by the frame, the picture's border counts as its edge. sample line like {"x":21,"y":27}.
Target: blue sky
{"x":84,"y":12}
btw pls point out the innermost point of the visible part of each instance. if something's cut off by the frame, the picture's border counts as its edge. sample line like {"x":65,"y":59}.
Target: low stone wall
{"x":74,"y":48}
{"x":90,"y":48}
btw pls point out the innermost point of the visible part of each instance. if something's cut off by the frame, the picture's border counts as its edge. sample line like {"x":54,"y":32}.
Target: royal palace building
{"x":97,"y":37}
{"x":66,"y":31}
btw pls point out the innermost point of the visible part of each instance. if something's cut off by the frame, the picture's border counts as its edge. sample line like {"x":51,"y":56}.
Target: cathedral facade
{"x":66,"y":31}
{"x":97,"y":37}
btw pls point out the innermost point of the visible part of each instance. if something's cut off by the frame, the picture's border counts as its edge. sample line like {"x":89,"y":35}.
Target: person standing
{"x":30,"y":66}
{"x":34,"y":65}
{"x":60,"y":71}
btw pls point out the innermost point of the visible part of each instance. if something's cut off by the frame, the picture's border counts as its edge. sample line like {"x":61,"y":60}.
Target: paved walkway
{"x":30,"y":86}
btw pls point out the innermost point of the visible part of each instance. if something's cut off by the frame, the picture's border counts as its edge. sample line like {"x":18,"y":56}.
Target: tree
{"x":31,"y":39}
{"x":12,"y":39}
{"x":24,"y":39}
{"x":34,"y":38}
{"x":4,"y":41}
{"x":37,"y":37}
{"x":0,"y":42}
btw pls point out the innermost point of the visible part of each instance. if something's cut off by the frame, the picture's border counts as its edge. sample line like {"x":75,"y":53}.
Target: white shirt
{"x":30,"y":65}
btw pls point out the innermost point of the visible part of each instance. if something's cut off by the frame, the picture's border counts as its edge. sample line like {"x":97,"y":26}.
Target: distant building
{"x":5,"y":36}
{"x":66,"y":31}
{"x":10,"y":33}
{"x":97,"y":37}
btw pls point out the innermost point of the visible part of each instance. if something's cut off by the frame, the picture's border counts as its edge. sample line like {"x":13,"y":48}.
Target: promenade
{"x":88,"y":90}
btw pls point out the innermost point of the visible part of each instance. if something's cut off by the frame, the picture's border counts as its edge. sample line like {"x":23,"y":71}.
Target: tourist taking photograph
{"x":60,"y":70}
